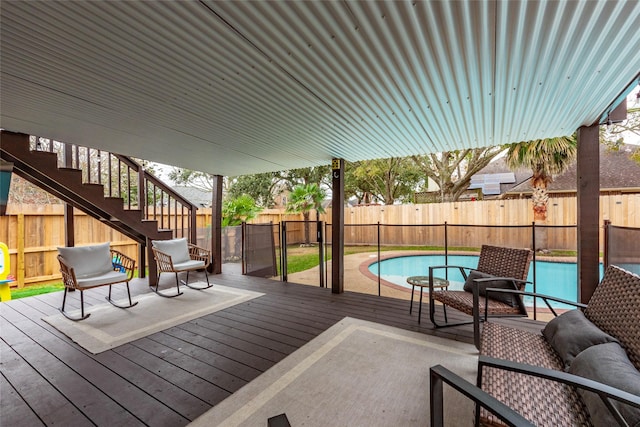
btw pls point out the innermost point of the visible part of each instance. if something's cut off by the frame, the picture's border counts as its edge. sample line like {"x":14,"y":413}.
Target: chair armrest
{"x":545,"y":298}
{"x":68,"y":274}
{"x":123,"y":263}
{"x":434,"y":267}
{"x":163,"y":260}
{"x":440,"y":375}
{"x":200,"y":254}
{"x":605,"y":392}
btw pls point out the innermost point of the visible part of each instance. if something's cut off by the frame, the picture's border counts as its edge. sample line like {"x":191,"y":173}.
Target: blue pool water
{"x":558,"y":279}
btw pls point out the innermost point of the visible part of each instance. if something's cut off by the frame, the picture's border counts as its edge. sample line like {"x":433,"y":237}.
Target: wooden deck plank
{"x":256,"y":335}
{"x":225,"y":383}
{"x":187,"y":381}
{"x":246,"y":373}
{"x":255,"y":361}
{"x":243,"y":345}
{"x":15,"y":410}
{"x":37,"y":378}
{"x":71,"y":367}
{"x":286,"y":330}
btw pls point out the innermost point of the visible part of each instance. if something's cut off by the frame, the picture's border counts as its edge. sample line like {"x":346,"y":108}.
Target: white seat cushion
{"x":177,"y":249}
{"x":89,"y":281}
{"x":188,"y":265}
{"x":88,"y":260}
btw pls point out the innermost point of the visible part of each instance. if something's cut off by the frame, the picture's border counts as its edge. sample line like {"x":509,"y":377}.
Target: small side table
{"x":423,"y":282}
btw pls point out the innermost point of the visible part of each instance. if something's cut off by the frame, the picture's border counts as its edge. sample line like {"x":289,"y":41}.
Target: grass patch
{"x":30,"y":291}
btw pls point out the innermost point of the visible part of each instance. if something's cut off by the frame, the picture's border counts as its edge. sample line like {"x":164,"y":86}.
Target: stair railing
{"x":123,"y":177}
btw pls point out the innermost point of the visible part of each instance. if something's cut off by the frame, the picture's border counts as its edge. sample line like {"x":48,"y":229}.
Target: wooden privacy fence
{"x":33,"y":232}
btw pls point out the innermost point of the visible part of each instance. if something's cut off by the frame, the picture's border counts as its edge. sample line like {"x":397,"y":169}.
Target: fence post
{"x":533,"y":245}
{"x":378,"y":258}
{"x":320,"y":252}
{"x":243,"y":247}
{"x":20,"y":265}
{"x":607,"y":230}
{"x":446,"y":251}
{"x":283,"y":252}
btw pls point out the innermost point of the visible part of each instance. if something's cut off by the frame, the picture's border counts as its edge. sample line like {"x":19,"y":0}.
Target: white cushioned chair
{"x":87,"y":267}
{"x":179,"y":256}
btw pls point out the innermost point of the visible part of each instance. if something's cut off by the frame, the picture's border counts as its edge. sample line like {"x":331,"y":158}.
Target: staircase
{"x":112,"y":188}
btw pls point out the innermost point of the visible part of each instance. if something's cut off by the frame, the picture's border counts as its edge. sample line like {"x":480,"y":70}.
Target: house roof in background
{"x":498,"y":167}
{"x":196,"y":196}
{"x":617,"y":172}
{"x":237,"y":87}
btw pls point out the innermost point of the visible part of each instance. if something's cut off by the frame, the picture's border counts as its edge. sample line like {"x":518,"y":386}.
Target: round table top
{"x":423,"y":281}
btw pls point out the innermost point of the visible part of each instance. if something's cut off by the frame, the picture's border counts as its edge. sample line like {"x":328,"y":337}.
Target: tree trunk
{"x":305,"y":216}
{"x":540,"y":201}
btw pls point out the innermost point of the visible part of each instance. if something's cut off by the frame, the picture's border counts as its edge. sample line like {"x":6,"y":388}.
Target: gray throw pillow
{"x":177,"y":249}
{"x":608,"y":364}
{"x":571,"y":333}
{"x":88,"y":260}
{"x":510,"y":299}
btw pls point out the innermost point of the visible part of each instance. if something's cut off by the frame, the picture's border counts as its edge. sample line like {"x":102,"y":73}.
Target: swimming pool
{"x":558,"y":279}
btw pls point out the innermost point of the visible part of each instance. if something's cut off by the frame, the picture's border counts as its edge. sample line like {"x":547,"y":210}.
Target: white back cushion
{"x":177,"y":249}
{"x":88,"y":260}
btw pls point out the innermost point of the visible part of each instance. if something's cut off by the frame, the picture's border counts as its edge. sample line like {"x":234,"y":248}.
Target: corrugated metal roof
{"x":235,"y":87}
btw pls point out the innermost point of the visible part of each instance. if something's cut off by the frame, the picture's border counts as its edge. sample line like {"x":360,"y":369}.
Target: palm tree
{"x":546,"y":158}
{"x":303,"y":199}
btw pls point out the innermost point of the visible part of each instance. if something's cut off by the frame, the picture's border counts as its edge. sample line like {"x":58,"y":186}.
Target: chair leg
{"x":199,"y":287}
{"x":64,"y":298}
{"x":432,"y":316}
{"x":413,"y":288}
{"x":82,"y":315}
{"x":420,"y":306}
{"x":119,"y":305}
{"x":157,"y":291}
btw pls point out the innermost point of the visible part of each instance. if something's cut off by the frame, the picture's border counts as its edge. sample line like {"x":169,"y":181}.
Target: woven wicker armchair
{"x":583,"y":370}
{"x":87,"y":267}
{"x":179,"y":256}
{"x":498,"y":267}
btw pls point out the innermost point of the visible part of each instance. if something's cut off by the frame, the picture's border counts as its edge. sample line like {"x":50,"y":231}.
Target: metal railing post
{"x":379,"y":284}
{"x":320,"y":252}
{"x":606,"y":253}
{"x":533,"y":243}
{"x":283,"y":251}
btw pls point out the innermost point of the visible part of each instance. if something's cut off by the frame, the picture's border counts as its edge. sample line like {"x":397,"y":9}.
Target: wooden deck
{"x":171,"y":377}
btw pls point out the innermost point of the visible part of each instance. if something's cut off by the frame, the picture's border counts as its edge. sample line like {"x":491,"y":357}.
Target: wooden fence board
{"x":33,"y":232}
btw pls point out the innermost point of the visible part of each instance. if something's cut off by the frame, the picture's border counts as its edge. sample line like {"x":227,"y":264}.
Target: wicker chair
{"x":179,"y":256}
{"x":572,"y":374}
{"x":87,"y":267}
{"x":498,"y":267}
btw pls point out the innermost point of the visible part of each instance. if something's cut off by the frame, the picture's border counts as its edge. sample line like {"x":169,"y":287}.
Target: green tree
{"x":452,"y":170}
{"x":319,"y":175}
{"x":616,"y":134}
{"x":385,"y":180}
{"x":303,"y":199}
{"x":546,"y":158}
{"x":260,"y":186}
{"x":196,"y":179}
{"x":235,"y":211}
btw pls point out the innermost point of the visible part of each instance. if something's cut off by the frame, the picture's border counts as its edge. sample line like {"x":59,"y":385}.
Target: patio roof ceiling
{"x":236,"y":87}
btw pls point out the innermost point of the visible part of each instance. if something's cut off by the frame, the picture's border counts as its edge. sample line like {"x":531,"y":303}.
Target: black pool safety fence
{"x":264,"y":249}
{"x":622,"y":247}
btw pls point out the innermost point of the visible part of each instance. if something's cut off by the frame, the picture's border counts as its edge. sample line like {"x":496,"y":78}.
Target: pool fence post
{"x":446,"y":251}
{"x":378,"y":258}
{"x":533,"y":243}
